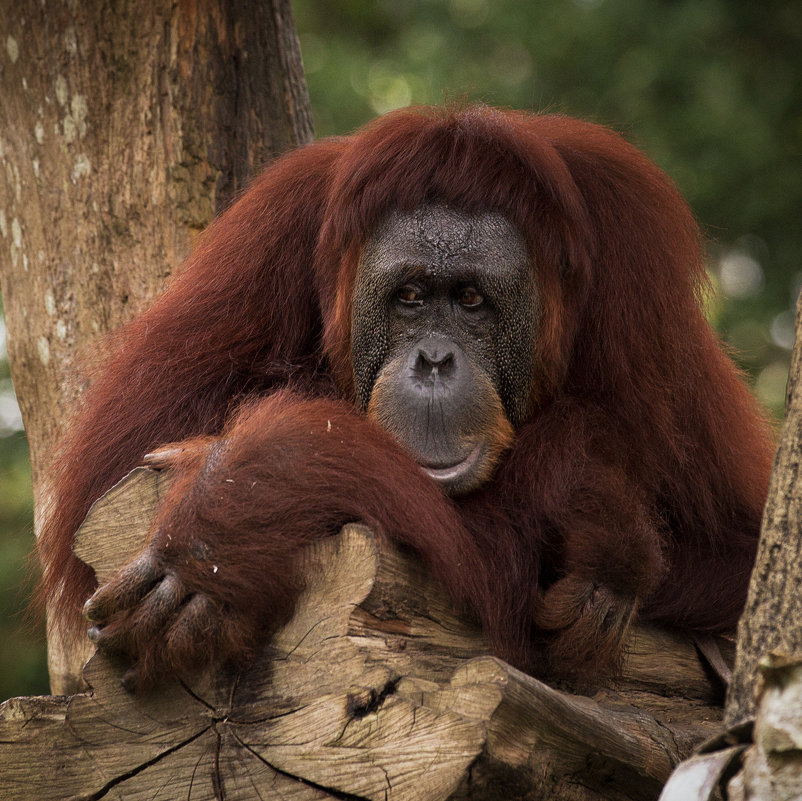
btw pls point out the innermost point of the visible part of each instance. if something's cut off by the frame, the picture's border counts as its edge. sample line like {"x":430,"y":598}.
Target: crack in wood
{"x":217,"y":778}
{"x":103,"y":791}
{"x":234,"y":721}
{"x":202,"y":701}
{"x":334,"y":793}
{"x":361,"y":704}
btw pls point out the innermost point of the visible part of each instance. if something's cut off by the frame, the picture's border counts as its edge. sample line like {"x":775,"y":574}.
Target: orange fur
{"x":642,"y":470}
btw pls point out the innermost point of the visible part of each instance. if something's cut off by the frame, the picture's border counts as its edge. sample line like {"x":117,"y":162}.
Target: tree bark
{"x":772,"y":619}
{"x":124,"y":128}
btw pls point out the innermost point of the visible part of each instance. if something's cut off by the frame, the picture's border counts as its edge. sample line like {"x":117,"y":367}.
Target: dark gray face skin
{"x":444,"y":325}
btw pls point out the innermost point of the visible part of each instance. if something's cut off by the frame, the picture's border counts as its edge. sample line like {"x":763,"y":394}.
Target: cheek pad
{"x":370,"y":344}
{"x":514,"y":354}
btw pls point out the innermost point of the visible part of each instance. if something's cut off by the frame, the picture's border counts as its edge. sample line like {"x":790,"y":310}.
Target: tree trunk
{"x":772,"y":620}
{"x":124,"y":128}
{"x":759,"y":755}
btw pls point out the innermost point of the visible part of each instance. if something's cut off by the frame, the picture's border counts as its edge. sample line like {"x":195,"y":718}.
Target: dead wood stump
{"x":374,"y":690}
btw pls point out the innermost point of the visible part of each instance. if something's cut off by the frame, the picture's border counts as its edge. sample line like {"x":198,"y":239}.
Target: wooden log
{"x":375,"y":689}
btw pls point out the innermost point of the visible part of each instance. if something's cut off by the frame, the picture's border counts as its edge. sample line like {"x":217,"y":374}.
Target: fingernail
{"x":128,"y":681}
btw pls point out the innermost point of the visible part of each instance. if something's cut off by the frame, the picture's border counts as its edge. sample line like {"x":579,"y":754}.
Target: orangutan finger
{"x":163,"y":458}
{"x":111,"y":638}
{"x":131,"y":680}
{"x":156,"y":611}
{"x":192,"y":638}
{"x":565,"y":602}
{"x":124,"y":590}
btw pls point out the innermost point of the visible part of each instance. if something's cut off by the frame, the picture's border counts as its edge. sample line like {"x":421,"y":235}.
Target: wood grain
{"x":376,"y":689}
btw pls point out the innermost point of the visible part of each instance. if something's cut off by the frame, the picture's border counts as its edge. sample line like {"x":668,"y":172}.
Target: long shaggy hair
{"x":642,"y":470}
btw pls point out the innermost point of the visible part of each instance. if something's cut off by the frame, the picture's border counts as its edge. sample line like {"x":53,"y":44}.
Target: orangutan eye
{"x":470,"y":298}
{"x":410,"y":295}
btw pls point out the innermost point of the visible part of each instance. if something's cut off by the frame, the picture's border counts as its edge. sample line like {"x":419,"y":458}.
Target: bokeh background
{"x":710,"y":89}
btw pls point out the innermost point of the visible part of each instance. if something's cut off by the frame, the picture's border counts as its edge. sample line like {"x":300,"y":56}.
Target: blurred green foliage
{"x":710,"y":89}
{"x":23,"y":669}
